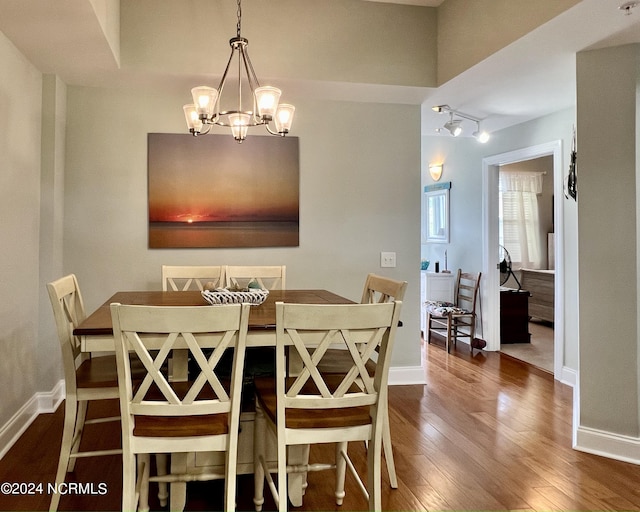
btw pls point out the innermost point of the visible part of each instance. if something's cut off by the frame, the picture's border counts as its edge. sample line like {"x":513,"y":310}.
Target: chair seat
{"x":98,"y":372}
{"x":442,"y":308}
{"x":181,"y":426}
{"x":303,"y":419}
{"x":101,"y":372}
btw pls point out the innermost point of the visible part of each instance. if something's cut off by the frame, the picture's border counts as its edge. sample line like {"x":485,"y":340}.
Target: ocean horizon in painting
{"x":213,"y":192}
{"x":223,"y":234}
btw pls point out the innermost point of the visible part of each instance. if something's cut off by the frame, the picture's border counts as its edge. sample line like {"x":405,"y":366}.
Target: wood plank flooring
{"x":486,"y":432}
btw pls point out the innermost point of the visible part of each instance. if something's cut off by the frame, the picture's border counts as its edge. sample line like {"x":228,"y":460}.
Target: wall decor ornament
{"x":221,"y":194}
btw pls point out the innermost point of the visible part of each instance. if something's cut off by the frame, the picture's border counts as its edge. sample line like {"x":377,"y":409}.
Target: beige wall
{"x":470,"y":31}
{"x":333,"y":40}
{"x":20,"y":113}
{"x":608,"y":238}
{"x":359,"y":195}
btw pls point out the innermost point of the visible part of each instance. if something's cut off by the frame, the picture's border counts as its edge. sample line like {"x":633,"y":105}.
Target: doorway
{"x":491,"y":294}
{"x":527,"y":240}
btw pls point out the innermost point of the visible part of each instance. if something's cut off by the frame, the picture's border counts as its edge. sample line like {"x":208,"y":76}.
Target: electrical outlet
{"x":387,"y":259}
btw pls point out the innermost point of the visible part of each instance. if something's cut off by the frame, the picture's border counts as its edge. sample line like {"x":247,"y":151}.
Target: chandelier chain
{"x":239,"y":15}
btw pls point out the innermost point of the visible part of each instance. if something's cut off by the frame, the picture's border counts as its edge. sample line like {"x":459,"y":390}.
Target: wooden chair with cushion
{"x":163,"y":416}
{"x":457,"y":319}
{"x":315,"y":407}
{"x":195,"y":277}
{"x":267,"y":277}
{"x":86,"y":378}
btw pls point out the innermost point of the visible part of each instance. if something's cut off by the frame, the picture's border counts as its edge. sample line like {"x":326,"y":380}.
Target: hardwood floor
{"x":486,"y":432}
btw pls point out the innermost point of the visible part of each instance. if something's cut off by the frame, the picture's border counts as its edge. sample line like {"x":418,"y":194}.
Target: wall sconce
{"x":436,"y":171}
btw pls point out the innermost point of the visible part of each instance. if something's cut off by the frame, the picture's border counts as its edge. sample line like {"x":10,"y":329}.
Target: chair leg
{"x":230,"y":480}
{"x":68,"y":434}
{"x":283,"y":481}
{"x":80,"y":416}
{"x":449,"y":331}
{"x":128,"y":482}
{"x":428,"y":328}
{"x":259,"y":428}
{"x":374,"y":474}
{"x":341,"y":471}
{"x":388,"y":450}
{"x":142,"y":485}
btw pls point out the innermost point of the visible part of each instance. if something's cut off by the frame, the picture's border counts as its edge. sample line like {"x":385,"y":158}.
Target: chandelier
{"x":205,"y":111}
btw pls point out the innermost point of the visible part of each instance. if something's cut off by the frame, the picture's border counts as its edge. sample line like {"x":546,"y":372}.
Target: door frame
{"x":490,"y":295}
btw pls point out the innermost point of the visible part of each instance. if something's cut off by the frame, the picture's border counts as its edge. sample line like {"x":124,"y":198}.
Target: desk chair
{"x":164,"y":416}
{"x":268,"y":277}
{"x":86,"y":378}
{"x":456,"y":319}
{"x":326,"y":408}
{"x":194,"y":277}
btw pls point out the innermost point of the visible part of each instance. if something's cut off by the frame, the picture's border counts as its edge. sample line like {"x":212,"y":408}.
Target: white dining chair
{"x":160,"y":415}
{"x":191,"y":277}
{"x":377,"y":289}
{"x":268,"y":277}
{"x":315,"y":407}
{"x":86,"y":378}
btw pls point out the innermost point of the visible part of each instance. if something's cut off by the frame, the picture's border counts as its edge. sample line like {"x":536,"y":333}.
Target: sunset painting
{"x":210,"y":191}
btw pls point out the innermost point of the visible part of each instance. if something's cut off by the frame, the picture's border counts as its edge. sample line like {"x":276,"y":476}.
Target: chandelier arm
{"x":253,"y":83}
{"x":240,"y":54}
{"x":223,"y":80}
{"x":266,"y":125}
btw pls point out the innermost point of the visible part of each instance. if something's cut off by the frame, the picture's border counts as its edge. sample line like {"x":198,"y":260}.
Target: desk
{"x":96,"y":335}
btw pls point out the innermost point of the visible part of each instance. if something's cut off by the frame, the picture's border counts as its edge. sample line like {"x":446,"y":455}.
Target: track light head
{"x":454,"y":127}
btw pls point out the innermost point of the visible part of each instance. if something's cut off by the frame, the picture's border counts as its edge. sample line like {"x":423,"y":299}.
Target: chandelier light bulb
{"x":193,"y":119}
{"x":239,"y":125}
{"x":284,"y":118}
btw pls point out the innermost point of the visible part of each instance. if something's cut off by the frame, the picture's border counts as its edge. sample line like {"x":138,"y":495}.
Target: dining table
{"x":96,"y":335}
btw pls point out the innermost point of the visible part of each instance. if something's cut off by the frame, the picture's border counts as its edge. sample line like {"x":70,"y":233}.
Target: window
{"x":518,"y":217}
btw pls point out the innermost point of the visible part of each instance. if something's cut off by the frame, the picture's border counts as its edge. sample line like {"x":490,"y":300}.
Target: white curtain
{"x":519,"y":219}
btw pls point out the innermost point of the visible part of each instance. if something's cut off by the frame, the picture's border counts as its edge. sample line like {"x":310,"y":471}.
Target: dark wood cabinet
{"x":514,"y":316}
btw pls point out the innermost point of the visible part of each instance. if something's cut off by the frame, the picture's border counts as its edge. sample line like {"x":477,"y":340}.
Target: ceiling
{"x":532,"y":77}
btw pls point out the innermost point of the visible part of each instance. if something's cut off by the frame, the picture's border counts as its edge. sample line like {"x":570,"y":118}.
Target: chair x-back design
{"x":86,"y":378}
{"x":195,"y":277}
{"x":268,"y":277}
{"x":315,"y":407}
{"x":160,"y":415}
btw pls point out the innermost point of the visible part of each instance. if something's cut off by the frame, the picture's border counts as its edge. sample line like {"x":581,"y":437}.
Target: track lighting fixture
{"x":454,"y":126}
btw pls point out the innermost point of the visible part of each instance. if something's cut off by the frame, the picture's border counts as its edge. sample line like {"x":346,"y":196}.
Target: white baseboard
{"x":607,"y":444}
{"x":403,"y":375}
{"x":44,"y":402}
{"x":569,"y":377}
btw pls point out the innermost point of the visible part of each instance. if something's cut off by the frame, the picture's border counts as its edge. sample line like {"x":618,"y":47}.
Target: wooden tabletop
{"x":262,"y":316}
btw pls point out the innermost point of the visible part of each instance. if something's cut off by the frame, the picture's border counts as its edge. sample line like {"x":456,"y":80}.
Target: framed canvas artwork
{"x":210,"y":191}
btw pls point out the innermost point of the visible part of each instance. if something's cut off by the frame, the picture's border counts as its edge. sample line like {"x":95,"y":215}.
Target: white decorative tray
{"x":223,"y":296}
